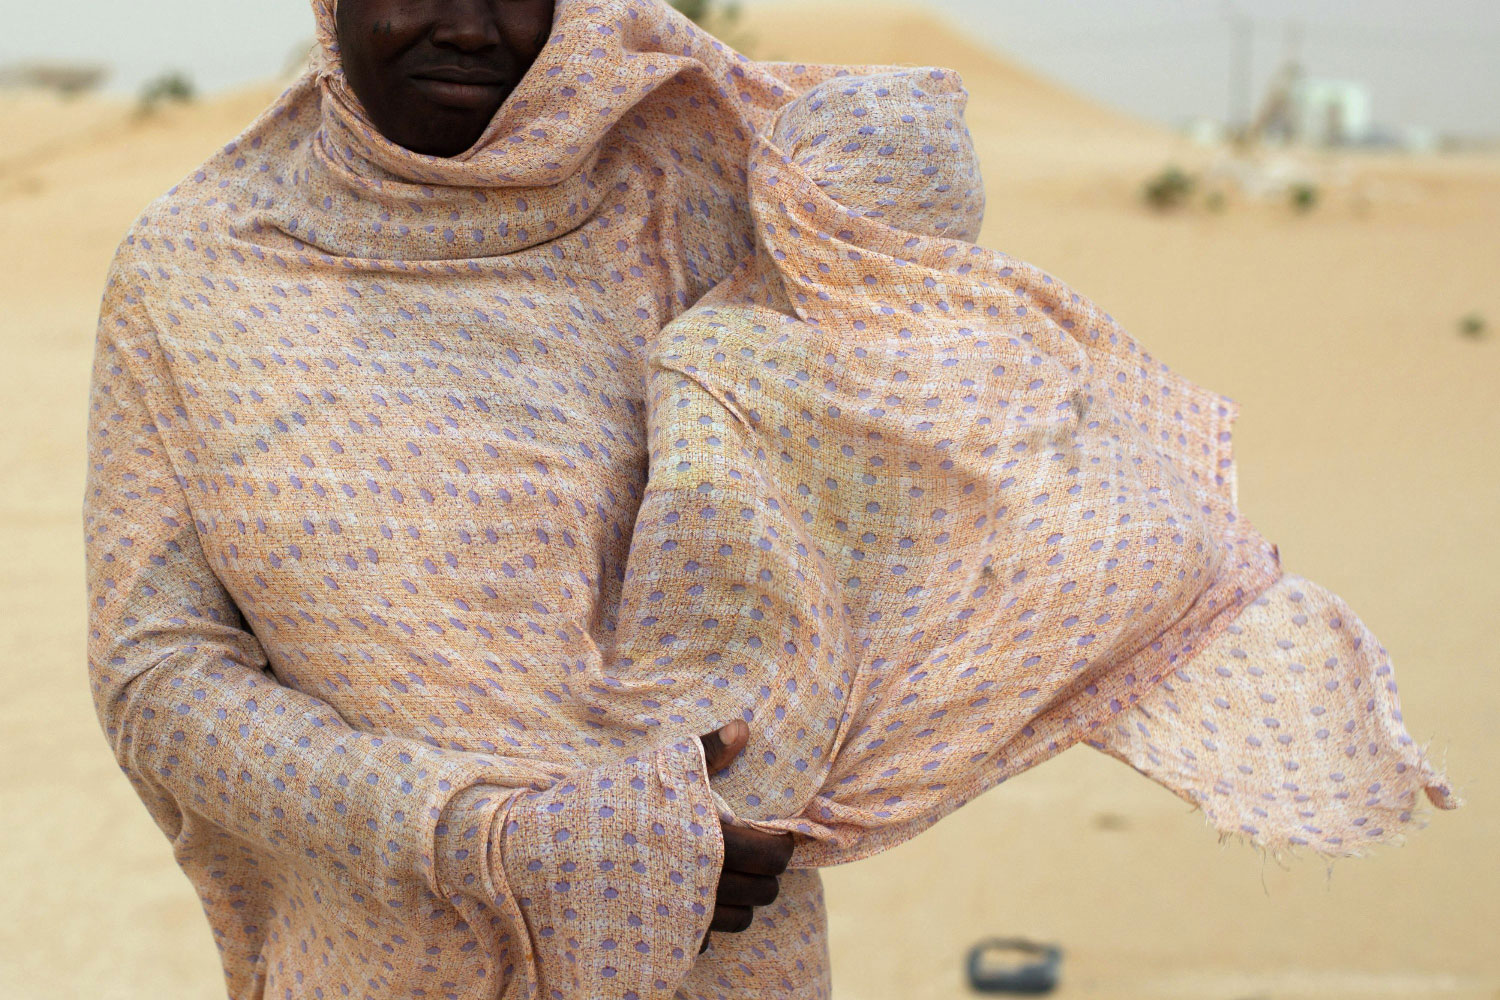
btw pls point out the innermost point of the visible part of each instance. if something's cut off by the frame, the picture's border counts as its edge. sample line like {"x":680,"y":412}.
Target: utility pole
{"x":1294,"y":41}
{"x":1241,"y":42}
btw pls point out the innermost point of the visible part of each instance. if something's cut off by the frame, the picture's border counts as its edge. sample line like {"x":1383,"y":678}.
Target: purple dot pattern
{"x":1286,"y":730}
{"x":936,"y":517}
{"x":615,"y":919}
{"x":367,"y":439}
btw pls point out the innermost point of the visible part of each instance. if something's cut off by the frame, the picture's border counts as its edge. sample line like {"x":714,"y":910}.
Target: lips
{"x":460,"y":87}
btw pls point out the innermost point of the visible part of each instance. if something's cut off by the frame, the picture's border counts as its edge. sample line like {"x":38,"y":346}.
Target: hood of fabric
{"x":552,"y":123}
{"x":846,"y":134}
{"x":625,"y":93}
{"x":402,"y":402}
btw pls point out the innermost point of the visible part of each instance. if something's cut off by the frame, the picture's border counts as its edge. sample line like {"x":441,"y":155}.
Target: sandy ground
{"x":1369,"y":448}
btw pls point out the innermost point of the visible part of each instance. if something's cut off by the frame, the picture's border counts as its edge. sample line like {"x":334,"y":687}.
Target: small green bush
{"x":1472,"y":326}
{"x":1304,"y":197}
{"x":1169,"y":189}
{"x":169,"y":88}
{"x":704,"y":12}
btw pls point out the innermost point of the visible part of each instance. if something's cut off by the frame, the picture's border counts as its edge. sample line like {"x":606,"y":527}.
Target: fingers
{"x":739,"y":889}
{"x":752,"y":861}
{"x":721,"y":747}
{"x":752,"y":858}
{"x":755,"y":852}
{"x":732,"y":919}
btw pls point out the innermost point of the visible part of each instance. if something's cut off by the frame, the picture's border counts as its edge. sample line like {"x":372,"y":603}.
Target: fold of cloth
{"x":1285,"y":730}
{"x":926,"y":517}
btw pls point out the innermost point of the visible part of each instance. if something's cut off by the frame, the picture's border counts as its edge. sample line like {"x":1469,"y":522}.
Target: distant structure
{"x":58,"y":78}
{"x":1332,"y":112}
{"x":1300,"y":109}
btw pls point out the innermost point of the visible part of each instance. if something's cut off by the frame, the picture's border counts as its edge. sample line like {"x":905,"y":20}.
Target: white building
{"x":1330,"y":112}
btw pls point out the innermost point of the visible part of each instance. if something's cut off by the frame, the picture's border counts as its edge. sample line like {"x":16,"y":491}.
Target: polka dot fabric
{"x":888,"y":151}
{"x":419,"y":551}
{"x":1286,"y":729}
{"x":367,"y":439}
{"x":926,"y":517}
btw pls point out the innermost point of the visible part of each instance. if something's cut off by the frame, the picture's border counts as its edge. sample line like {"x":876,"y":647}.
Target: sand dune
{"x":1369,"y":448}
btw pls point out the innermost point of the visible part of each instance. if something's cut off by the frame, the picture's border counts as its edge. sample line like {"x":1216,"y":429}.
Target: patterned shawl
{"x":405,"y":656}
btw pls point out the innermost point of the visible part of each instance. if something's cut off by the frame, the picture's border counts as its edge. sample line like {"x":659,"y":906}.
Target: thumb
{"x":721,"y":747}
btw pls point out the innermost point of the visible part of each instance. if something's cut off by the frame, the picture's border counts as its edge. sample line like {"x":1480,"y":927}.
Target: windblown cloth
{"x":927,"y":517}
{"x":405,"y":655}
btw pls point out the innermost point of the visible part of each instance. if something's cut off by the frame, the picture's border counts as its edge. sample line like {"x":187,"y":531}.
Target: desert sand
{"x":1369,"y":449}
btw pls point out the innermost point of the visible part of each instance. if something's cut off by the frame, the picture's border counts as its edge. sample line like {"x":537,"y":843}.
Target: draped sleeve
{"x":237,"y":767}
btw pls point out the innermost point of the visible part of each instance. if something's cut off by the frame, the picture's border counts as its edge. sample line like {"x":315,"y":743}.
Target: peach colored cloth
{"x":374,"y":562}
{"x":926,"y":517}
{"x":366,"y":447}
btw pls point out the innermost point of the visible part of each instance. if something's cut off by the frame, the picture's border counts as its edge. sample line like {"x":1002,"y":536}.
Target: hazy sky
{"x":1433,"y":63}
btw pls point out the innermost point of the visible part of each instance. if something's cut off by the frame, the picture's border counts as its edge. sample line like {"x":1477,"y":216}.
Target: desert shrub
{"x":1472,"y":326}
{"x":1304,"y":197}
{"x":706,"y":12}
{"x":169,"y":88}
{"x":1168,"y":189}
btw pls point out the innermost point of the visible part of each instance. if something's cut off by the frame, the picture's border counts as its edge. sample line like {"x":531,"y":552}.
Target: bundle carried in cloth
{"x":926,"y":517}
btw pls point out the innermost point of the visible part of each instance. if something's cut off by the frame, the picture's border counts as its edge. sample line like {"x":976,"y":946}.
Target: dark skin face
{"x":432,"y":73}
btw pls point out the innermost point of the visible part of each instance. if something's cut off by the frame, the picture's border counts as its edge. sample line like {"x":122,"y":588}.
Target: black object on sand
{"x":1014,"y":966}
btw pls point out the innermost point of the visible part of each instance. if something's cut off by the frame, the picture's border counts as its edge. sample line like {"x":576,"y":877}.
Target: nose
{"x":466,"y":25}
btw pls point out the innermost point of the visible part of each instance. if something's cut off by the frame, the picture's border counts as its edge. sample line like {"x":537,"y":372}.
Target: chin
{"x":438,"y":137}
